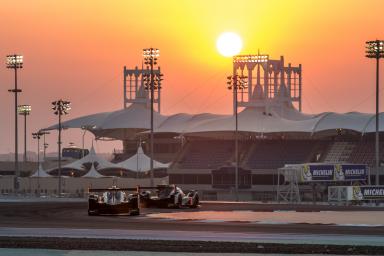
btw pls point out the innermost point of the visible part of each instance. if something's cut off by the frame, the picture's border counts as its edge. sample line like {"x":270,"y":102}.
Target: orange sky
{"x":77,"y":49}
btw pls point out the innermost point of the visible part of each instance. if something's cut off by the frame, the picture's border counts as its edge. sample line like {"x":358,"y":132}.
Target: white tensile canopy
{"x":114,"y":124}
{"x":92,"y":173}
{"x":122,"y":124}
{"x":93,"y":158}
{"x":40,"y":173}
{"x":140,"y":162}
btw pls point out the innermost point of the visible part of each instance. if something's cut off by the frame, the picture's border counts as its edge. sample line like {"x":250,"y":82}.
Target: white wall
{"x":72,"y":186}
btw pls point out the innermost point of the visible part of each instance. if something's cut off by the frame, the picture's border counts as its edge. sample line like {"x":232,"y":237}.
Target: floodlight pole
{"x":17,"y":171}
{"x":377,"y":157}
{"x":85,"y":128}
{"x":60,"y":107}
{"x":25,"y":138}
{"x":152,"y":135}
{"x":45,"y":148}
{"x":37,"y":136}
{"x":82,"y":151}
{"x":59,"y":149}
{"x":45,"y":144}
{"x":236,"y":140}
{"x":24,"y":110}
{"x":38,"y":163}
{"x":236,"y":82}
{"x":15,"y":62}
{"x":375,"y":49}
{"x":151,"y":83}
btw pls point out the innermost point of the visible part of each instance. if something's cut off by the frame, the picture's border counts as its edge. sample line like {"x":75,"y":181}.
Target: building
{"x":272,"y":132}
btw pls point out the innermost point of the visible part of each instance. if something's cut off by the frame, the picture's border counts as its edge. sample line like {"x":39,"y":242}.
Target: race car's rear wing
{"x":157,"y":187}
{"x":111,"y":189}
{"x":136,"y":189}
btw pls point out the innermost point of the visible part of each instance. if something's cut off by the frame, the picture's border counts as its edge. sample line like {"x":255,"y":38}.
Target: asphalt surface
{"x":27,"y":219}
{"x":74,"y":215}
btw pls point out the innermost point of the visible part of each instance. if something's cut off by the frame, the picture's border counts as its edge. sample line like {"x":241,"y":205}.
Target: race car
{"x":113,"y":201}
{"x":169,"y":196}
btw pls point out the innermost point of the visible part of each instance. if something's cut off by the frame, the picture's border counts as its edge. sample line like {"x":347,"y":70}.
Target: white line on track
{"x":195,"y":236}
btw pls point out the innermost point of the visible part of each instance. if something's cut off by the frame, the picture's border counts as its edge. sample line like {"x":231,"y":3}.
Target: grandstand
{"x":273,"y":132}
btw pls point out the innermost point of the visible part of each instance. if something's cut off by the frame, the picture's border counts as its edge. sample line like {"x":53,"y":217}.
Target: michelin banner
{"x":330,"y":172}
{"x":365,"y":192}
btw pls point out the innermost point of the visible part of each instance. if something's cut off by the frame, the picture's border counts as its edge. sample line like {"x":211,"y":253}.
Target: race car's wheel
{"x":195,"y":202}
{"x":134,"y":212}
{"x":179,"y":201}
{"x":145,"y":195}
{"x":93,"y":213}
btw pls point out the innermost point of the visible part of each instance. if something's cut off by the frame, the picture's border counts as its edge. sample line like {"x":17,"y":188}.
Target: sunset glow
{"x":229,"y":44}
{"x":77,"y":50}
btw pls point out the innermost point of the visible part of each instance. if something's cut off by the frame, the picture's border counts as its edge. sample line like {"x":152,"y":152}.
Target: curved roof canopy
{"x":135,"y":119}
{"x":115,"y":124}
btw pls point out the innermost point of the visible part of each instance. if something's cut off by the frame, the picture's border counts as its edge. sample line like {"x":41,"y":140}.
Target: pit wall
{"x":73,"y":187}
{"x":78,"y":187}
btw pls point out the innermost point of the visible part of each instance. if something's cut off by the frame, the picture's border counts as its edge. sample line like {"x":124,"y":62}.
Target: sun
{"x":229,"y":44}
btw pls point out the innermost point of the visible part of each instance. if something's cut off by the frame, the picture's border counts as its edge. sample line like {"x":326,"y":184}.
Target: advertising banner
{"x":350,"y":172}
{"x":330,"y":172}
{"x":317,"y":173}
{"x":365,"y":192}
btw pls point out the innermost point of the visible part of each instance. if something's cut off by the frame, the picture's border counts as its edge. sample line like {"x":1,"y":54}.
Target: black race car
{"x":113,"y":201}
{"x":168,"y":196}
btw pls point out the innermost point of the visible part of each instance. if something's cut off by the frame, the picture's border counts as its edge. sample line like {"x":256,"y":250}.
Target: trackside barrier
{"x":355,"y":193}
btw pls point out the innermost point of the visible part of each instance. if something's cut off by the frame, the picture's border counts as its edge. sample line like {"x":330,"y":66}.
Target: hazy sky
{"x":77,"y":49}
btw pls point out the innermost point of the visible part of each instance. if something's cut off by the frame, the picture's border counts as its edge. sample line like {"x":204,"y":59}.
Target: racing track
{"x":73,"y":215}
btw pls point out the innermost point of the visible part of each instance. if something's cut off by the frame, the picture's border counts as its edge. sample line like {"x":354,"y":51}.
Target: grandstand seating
{"x":339,"y":152}
{"x":272,"y":154}
{"x":364,"y":153}
{"x":262,"y":154}
{"x":207,"y":154}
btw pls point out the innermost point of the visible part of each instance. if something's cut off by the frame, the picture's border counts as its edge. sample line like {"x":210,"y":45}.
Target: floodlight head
{"x":14,"y":61}
{"x":24,"y":109}
{"x":236,"y":82}
{"x":61,"y":107}
{"x":152,"y":53}
{"x":88,"y":127}
{"x":36,"y":135}
{"x":258,"y":58}
{"x":375,"y":49}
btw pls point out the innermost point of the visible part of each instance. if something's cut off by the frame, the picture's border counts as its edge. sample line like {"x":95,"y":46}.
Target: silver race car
{"x":113,"y":201}
{"x":168,"y":196}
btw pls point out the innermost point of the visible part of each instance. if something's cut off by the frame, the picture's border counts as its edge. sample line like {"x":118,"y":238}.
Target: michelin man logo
{"x":339,"y":174}
{"x":356,"y":194}
{"x":307,"y":175}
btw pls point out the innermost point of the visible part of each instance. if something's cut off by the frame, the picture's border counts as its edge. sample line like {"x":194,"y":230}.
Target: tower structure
{"x":134,"y":88}
{"x":270,"y":82}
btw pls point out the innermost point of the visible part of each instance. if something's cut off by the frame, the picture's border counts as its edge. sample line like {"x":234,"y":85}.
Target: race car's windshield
{"x":165,"y":192}
{"x":112,"y":197}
